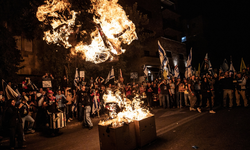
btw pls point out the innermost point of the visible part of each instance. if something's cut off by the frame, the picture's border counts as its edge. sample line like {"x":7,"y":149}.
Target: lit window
{"x":184,"y":39}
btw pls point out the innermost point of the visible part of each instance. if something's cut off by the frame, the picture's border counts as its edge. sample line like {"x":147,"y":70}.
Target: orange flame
{"x":112,"y":28}
{"x":132,"y":110}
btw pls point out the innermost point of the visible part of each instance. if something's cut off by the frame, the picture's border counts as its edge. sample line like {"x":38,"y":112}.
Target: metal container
{"x":117,"y":138}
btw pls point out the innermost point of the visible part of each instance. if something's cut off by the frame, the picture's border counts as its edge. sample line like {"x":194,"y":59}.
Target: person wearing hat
{"x":51,"y":104}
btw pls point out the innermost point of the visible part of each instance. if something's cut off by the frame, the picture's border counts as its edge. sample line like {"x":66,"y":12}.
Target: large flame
{"x":112,"y":28}
{"x":131,"y":109}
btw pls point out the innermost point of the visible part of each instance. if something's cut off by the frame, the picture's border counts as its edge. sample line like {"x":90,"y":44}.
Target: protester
{"x":86,"y":104}
{"x":70,"y":99}
{"x":24,"y":111}
{"x":241,"y":90}
{"x":51,"y":106}
{"x":206,"y":94}
{"x":82,"y":95}
{"x":193,"y":95}
{"x":165,"y":91}
{"x":227,"y":86}
{"x":149,"y":92}
{"x":13,"y":122}
{"x":172,"y":97}
{"x":96,"y":102}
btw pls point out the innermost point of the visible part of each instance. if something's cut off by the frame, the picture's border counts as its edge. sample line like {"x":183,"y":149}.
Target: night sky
{"x":228,"y":30}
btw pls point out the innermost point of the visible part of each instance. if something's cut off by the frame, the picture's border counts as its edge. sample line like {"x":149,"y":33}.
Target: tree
{"x":16,"y":18}
{"x":10,"y":56}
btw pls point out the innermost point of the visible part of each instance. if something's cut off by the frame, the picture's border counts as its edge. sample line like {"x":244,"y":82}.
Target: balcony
{"x":170,"y":23}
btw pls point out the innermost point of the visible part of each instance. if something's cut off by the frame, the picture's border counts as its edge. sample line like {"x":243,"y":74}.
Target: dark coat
{"x":12,"y":117}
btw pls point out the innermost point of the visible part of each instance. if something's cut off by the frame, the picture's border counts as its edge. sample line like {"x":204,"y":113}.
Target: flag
{"x":33,"y":86}
{"x":9,"y":92}
{"x":162,"y":52}
{"x":165,"y":75}
{"x":206,"y":64}
{"x":18,"y":93}
{"x":231,"y":69}
{"x":120,"y":73}
{"x":112,"y":73}
{"x":189,"y":66}
{"x":145,"y":70}
{"x":76,"y":80}
{"x":176,"y":72}
{"x":108,"y":78}
{"x":163,"y":56}
{"x":210,"y":69}
{"x":224,"y":66}
{"x":199,"y":70}
{"x":242,"y":65}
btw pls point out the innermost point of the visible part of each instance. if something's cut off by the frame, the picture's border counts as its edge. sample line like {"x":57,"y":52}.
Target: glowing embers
{"x":129,"y":110}
{"x":112,"y":28}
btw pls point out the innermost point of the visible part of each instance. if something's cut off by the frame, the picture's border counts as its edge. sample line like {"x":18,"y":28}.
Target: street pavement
{"x":177,"y":129}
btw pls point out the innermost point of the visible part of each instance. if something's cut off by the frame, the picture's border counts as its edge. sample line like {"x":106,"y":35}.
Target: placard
{"x":82,"y":74}
{"x":133,"y":75}
{"x":47,"y":84}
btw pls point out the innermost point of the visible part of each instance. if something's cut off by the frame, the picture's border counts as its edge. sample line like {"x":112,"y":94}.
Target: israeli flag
{"x":231,"y":69}
{"x":206,"y":65}
{"x":76,"y":80}
{"x":33,"y":86}
{"x":112,"y":73}
{"x":210,"y":69}
{"x":9,"y":92}
{"x":145,"y":70}
{"x":176,"y":72}
{"x":225,"y":66}
{"x":108,"y":78}
{"x":163,"y":56}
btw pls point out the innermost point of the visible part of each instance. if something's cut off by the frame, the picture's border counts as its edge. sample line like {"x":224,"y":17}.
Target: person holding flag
{"x":9,"y":92}
{"x":176,"y":72}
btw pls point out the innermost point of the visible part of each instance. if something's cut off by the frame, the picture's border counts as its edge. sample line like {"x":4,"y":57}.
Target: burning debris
{"x":129,"y":110}
{"x":112,"y":28}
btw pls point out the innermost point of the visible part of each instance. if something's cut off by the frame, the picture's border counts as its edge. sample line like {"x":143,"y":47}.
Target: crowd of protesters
{"x":32,"y":110}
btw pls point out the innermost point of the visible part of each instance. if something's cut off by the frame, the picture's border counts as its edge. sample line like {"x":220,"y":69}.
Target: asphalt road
{"x":177,"y":129}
